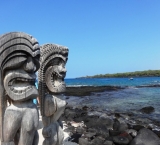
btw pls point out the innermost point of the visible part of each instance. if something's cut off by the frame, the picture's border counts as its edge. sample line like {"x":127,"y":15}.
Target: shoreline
{"x":78,"y":103}
{"x":84,"y":125}
{"x":82,"y":120}
{"x":88,"y":90}
{"x":84,"y":94}
{"x":88,"y":124}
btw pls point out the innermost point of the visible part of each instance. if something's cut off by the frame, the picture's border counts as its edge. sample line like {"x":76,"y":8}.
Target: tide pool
{"x":138,"y":93}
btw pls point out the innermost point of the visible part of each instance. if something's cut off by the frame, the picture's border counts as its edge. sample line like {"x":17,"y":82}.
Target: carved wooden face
{"x":55,"y":74}
{"x":19,"y":77}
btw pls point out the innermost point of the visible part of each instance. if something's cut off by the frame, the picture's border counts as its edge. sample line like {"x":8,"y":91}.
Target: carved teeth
{"x":23,"y":79}
{"x":21,"y":88}
{"x":20,"y":91}
{"x":15,"y":91}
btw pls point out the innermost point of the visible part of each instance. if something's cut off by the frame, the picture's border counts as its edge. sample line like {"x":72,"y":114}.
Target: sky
{"x":103,"y":36}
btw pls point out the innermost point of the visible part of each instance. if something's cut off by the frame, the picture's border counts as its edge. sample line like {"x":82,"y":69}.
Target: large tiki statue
{"x":51,"y":86}
{"x":19,"y":60}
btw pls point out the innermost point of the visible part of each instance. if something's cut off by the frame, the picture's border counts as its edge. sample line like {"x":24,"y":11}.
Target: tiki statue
{"x":19,"y":60}
{"x":51,"y":86}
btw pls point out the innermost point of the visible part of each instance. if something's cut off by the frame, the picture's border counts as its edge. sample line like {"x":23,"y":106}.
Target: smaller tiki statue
{"x":19,"y":60}
{"x":51,"y":86}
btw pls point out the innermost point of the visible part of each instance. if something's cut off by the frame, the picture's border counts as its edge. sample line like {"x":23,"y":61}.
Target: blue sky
{"x":103,"y":36}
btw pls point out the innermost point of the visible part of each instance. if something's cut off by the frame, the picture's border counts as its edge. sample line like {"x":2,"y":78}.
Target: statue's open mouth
{"x":21,"y":85}
{"x":55,"y":80}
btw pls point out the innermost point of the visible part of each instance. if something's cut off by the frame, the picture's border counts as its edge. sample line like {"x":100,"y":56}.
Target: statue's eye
{"x":55,"y":61}
{"x":62,"y":63}
{"x":14,"y":62}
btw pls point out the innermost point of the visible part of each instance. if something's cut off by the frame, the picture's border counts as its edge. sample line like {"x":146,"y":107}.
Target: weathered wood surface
{"x":51,"y":86}
{"x":19,"y":60}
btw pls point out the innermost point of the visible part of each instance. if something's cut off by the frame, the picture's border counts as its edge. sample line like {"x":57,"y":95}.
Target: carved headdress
{"x":51,"y":75}
{"x":15,"y":47}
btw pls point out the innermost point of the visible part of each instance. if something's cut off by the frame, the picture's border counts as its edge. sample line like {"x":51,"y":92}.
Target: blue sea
{"x":138,"y":81}
{"x":137,"y":93}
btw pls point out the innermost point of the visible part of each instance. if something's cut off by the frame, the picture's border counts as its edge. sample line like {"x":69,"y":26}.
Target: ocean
{"x":137,"y":93}
{"x":138,"y":81}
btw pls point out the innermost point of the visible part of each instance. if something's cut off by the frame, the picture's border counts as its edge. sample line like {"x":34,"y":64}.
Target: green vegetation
{"x":147,"y":73}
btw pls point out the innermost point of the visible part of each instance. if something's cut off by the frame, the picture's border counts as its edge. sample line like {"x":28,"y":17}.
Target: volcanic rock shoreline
{"x":88,"y":90}
{"x":94,"y":126}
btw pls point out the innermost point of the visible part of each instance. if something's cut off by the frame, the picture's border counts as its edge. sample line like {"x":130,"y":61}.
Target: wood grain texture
{"x":19,"y":59}
{"x":51,"y":86}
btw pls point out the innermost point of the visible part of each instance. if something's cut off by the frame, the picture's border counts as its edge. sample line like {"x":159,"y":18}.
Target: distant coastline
{"x":146,"y":73}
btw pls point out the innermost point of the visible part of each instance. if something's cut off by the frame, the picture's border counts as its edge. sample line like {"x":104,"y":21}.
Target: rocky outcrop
{"x":146,"y":137}
{"x":88,"y":90}
{"x":89,"y":126}
{"x":147,"y":110}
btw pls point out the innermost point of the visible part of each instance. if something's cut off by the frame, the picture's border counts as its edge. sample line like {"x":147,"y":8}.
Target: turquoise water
{"x":113,"y":81}
{"x":138,"y":93}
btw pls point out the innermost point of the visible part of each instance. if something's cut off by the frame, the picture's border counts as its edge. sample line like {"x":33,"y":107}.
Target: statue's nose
{"x":29,"y":66}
